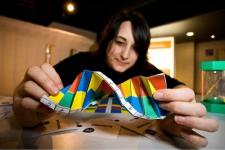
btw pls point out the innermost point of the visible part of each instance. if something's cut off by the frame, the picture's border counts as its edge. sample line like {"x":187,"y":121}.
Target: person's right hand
{"x":38,"y":81}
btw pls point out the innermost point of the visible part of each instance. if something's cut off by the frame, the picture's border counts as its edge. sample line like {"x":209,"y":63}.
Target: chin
{"x":119,"y":69}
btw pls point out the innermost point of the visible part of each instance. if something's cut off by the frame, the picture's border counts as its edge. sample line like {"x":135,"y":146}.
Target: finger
{"x":181,"y":94}
{"x":205,"y":124}
{"x":50,"y":71}
{"x":33,"y":105}
{"x":30,"y":88}
{"x":184,"y":108}
{"x":36,"y":74}
{"x":196,"y":139}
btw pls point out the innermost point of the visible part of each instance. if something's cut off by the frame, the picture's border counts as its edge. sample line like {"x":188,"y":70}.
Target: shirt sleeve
{"x":172,"y":82}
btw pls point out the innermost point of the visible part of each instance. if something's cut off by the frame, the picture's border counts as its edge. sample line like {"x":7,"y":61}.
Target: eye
{"x":119,"y":42}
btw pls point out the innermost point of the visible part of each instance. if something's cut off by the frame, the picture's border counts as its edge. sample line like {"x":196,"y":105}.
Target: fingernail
{"x":55,"y":90}
{"x":60,"y":85}
{"x":158,"y":95}
{"x":179,"y":119}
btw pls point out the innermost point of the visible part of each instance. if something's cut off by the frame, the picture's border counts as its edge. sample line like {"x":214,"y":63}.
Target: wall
{"x":162,"y":48}
{"x":188,"y":57}
{"x":23,"y":44}
{"x":184,"y":63}
{"x":207,"y":51}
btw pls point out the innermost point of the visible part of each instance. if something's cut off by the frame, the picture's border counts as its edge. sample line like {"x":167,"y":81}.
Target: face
{"x":121,"y":54}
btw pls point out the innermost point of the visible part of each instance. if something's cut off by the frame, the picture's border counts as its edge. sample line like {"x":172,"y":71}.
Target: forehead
{"x":125,"y":31}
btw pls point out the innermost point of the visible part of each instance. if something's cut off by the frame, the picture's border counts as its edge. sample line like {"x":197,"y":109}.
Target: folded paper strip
{"x":92,"y":91}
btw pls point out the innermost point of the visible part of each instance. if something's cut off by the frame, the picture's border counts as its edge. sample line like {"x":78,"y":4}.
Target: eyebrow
{"x":120,"y":37}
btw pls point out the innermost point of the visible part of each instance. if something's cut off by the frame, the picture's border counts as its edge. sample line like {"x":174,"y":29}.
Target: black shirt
{"x":70,"y":67}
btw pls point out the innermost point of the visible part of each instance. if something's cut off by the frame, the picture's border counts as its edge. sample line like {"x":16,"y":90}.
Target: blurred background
{"x":36,"y":31}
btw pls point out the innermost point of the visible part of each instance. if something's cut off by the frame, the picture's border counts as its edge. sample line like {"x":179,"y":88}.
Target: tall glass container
{"x":213,"y":85}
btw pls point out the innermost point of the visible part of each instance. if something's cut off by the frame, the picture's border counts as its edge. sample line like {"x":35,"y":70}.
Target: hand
{"x":186,"y":115}
{"x":38,"y":81}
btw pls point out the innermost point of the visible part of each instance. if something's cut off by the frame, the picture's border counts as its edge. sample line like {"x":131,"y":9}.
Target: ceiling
{"x":203,"y":26}
{"x":165,"y":17}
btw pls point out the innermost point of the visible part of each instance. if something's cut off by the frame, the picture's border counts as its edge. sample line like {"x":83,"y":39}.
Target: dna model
{"x":92,"y":91}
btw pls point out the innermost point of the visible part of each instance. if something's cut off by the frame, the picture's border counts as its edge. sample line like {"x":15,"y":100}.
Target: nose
{"x":125,"y":53}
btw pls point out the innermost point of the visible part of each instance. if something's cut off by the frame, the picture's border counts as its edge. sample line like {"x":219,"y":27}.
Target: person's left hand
{"x":186,"y":115}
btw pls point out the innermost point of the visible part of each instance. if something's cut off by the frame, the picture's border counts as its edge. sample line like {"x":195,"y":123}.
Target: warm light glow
{"x":190,"y":33}
{"x":70,"y":7}
{"x":213,"y":36}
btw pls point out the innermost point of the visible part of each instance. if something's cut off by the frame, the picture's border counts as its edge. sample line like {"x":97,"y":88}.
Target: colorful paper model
{"x":92,"y":91}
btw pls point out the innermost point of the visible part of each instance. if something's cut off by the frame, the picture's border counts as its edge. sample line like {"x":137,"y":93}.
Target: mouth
{"x":121,"y":63}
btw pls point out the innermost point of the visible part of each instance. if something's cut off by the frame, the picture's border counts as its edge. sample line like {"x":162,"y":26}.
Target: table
{"x":76,"y":132}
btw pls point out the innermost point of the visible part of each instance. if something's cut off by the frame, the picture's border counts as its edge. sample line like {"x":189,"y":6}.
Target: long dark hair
{"x":140,"y":29}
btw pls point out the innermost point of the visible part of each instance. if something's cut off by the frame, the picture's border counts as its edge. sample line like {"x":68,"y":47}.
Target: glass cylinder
{"x":213,"y":86}
{"x":213,"y":81}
